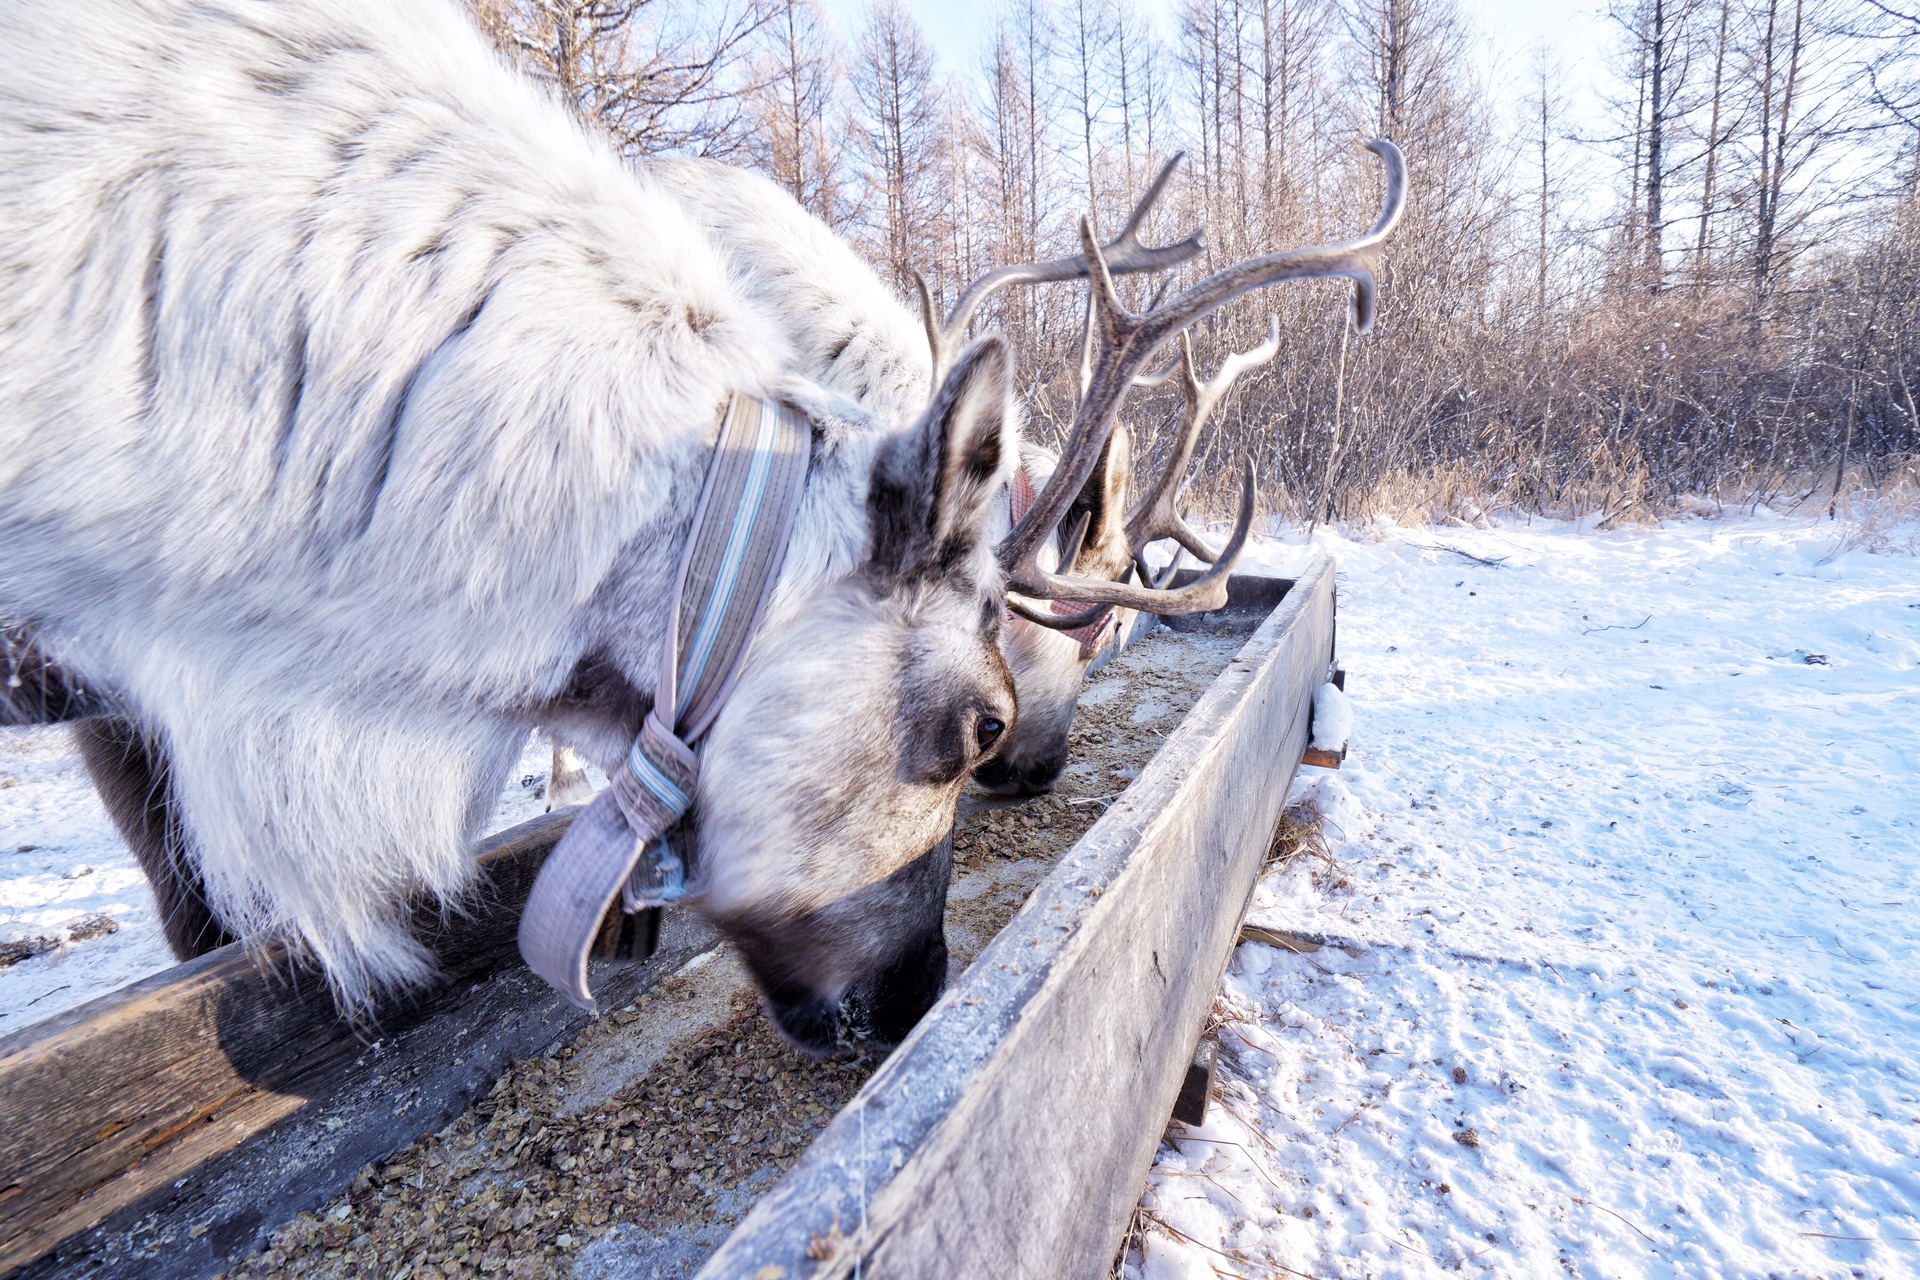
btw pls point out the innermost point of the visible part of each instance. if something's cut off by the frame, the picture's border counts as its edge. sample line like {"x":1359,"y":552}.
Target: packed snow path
{"x":1630,"y":844}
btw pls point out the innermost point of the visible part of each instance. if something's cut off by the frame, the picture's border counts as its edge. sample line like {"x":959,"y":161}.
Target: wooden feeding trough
{"x":217,"y":1094}
{"x":220,"y":1094}
{"x":1010,"y":1134}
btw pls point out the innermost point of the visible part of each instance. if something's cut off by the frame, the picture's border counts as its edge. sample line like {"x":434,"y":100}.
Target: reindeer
{"x":355,"y":405}
{"x":853,"y":336}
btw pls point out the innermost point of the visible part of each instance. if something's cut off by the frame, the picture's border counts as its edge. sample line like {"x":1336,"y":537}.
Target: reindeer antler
{"x":1124,"y":255}
{"x":1125,"y":341}
{"x":1156,"y":515}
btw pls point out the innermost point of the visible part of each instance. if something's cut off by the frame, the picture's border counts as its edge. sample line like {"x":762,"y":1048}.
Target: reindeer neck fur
{"x":351,"y":399}
{"x":849,"y":332}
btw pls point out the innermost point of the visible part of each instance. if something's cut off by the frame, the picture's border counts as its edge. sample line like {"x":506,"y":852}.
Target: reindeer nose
{"x":1042,"y":774}
{"x":810,"y":1021}
{"x":1021,"y":777}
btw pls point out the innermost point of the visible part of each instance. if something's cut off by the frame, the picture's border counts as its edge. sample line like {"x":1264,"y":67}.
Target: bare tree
{"x":1531,"y":350}
{"x":656,"y":75}
{"x":1546,"y":110}
{"x":900,"y":112}
{"x":1721,"y":125}
{"x":1782,"y":44}
{"x":794,"y":109}
{"x":1086,"y":36}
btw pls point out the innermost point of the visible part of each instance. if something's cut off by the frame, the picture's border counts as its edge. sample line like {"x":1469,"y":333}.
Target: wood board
{"x":167,"y":1128}
{"x":1009,"y":1135}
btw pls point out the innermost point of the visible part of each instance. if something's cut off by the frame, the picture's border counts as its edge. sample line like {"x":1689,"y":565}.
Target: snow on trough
{"x":1622,"y":962}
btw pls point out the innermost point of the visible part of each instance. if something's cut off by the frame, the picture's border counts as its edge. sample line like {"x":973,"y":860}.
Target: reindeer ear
{"x":933,"y":486}
{"x":1104,"y":551}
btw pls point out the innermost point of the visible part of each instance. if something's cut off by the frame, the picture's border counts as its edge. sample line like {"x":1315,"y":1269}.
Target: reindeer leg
{"x":567,"y":780}
{"x":131,"y":773}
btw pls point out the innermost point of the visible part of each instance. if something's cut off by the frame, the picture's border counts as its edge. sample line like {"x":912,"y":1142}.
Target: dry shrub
{"x":1883,"y":516}
{"x":1300,"y":833}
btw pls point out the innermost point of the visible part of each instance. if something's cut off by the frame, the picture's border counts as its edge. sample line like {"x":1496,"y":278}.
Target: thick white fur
{"x":848,"y":330}
{"x":349,"y":396}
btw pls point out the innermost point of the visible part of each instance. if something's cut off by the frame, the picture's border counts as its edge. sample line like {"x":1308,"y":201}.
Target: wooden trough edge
{"x":1010,"y":1134}
{"x":169,"y":1127}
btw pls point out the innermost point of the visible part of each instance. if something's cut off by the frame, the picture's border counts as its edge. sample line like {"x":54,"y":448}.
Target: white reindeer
{"x":353,"y":408}
{"x":851,"y":334}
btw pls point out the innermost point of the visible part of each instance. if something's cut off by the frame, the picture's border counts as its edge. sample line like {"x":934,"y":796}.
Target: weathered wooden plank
{"x":1010,"y":1134}
{"x":167,"y":1127}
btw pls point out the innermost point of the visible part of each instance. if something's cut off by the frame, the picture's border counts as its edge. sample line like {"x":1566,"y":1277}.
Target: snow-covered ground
{"x":1632,"y":891}
{"x":1630,"y":844}
{"x":63,"y":864}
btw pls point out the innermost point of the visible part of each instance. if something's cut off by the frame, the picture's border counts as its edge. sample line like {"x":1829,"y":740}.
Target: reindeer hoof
{"x":568,"y":788}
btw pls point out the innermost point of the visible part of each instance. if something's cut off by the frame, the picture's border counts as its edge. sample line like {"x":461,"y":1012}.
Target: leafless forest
{"x":1714,"y":294}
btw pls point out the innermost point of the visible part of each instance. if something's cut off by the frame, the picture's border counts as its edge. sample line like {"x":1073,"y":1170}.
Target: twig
{"x":1239,"y":1146}
{"x":1467,"y":555}
{"x":43,"y":995}
{"x":1250,"y":1128}
{"x":1821,"y":1235}
{"x":1616,"y":626}
{"x":1364,"y":1107}
{"x":1436,"y":1257}
{"x":1602,"y":1208}
{"x":1126,"y":1242}
{"x":1178,"y":1234}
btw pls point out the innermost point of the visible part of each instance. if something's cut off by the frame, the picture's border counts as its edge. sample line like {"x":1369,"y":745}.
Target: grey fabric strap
{"x":618,"y":845}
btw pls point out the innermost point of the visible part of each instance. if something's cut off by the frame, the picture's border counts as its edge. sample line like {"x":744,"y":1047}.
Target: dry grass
{"x":1883,"y":516}
{"x":1875,"y":511}
{"x":1301,"y":834}
{"x":1610,"y":482}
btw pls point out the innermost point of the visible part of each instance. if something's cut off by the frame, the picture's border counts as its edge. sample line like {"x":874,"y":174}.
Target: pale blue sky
{"x":1574,"y":32}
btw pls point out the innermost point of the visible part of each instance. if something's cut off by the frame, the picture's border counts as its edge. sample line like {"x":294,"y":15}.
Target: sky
{"x":1574,"y":33}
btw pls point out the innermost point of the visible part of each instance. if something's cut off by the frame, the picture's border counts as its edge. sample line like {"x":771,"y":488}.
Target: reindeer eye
{"x":987,"y":731}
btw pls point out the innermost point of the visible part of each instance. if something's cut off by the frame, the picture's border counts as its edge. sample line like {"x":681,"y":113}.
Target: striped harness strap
{"x":618,"y":843}
{"x":1091,"y":636}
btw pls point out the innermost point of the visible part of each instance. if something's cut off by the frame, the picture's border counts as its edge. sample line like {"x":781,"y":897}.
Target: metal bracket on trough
{"x":1197,"y":1089}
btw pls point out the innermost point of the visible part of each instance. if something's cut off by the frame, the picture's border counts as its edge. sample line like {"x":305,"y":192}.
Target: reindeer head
{"x":1087,"y":542}
{"x":829,"y":782}
{"x":1049,"y":664}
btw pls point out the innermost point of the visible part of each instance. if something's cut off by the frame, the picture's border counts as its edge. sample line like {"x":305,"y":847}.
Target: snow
{"x":1332,"y":719}
{"x":61,"y":861}
{"x":1627,"y":883}
{"x":1626,"y":834}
